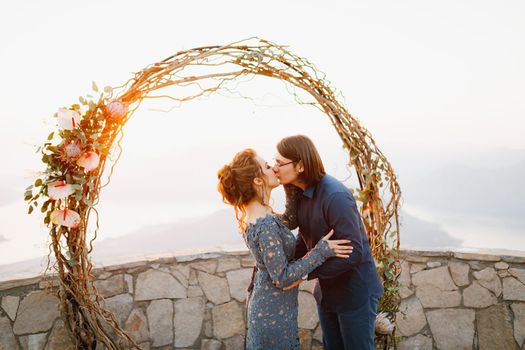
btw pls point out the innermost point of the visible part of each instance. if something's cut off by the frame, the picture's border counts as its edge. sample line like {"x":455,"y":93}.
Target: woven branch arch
{"x":89,"y":136}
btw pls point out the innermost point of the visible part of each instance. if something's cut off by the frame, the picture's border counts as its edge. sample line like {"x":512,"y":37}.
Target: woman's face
{"x":269,"y":175}
{"x":286,"y":170}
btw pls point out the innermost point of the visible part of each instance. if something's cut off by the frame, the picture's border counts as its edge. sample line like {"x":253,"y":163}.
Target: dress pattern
{"x":272,"y":311}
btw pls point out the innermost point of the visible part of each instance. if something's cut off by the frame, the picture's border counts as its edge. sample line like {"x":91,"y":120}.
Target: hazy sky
{"x":430,"y":80}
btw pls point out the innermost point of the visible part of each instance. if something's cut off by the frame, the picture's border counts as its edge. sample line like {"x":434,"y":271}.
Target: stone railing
{"x":449,"y":301}
{"x":461,"y":301}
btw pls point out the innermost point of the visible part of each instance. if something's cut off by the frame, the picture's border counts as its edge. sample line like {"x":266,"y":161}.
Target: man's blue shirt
{"x":345,"y":283}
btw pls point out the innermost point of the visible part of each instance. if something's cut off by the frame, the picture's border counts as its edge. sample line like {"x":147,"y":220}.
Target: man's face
{"x":287,"y":171}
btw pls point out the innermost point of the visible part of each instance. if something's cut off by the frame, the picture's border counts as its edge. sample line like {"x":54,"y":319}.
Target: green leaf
{"x":38,"y":182}
{"x":108,"y":89}
{"x":72,"y":262}
{"x":28,"y":197}
{"x":81,"y":180}
{"x":51,"y":135}
{"x":94,"y":86}
{"x":30,"y":209}
{"x":87,"y":202}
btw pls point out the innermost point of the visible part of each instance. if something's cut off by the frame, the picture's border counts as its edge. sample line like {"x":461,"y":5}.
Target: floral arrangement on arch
{"x":72,"y":163}
{"x":75,"y":156}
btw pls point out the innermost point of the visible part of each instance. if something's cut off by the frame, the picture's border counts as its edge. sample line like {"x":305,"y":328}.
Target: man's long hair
{"x":301,"y":148}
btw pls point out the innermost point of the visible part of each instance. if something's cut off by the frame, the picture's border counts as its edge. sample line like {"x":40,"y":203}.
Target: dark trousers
{"x":352,"y":329}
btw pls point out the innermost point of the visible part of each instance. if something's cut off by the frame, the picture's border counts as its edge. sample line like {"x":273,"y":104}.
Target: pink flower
{"x":72,"y":150}
{"x":88,"y":161}
{"x":116,"y":110}
{"x":68,"y":119}
{"x":65,"y":217}
{"x":59,"y":189}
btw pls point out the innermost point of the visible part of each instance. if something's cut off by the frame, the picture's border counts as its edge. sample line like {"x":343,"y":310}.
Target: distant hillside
{"x":418,"y":233}
{"x":214,"y":232}
{"x":461,"y":191}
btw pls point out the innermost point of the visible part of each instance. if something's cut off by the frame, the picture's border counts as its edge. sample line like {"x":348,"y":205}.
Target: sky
{"x":438,"y":84}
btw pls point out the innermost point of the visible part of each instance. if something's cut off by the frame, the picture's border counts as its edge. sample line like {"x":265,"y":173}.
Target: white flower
{"x":88,"y":161}
{"x":68,"y":119}
{"x":65,"y":217}
{"x":59,"y":189}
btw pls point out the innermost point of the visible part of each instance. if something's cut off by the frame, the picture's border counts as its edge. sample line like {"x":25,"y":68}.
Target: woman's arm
{"x":280,"y":270}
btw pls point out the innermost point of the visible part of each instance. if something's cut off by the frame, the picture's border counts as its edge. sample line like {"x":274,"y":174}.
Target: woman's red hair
{"x":236,"y":183}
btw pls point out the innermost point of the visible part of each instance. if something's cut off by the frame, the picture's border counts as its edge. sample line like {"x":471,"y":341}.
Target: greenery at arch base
{"x":88,"y":135}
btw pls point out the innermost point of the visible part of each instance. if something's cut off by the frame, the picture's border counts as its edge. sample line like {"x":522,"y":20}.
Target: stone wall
{"x":462,"y":301}
{"x":449,"y":301}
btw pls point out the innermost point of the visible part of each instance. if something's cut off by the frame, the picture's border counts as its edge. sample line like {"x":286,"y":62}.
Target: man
{"x":347,"y":290}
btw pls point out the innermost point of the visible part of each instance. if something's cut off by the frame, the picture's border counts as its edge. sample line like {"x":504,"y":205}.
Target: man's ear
{"x":299,"y":167}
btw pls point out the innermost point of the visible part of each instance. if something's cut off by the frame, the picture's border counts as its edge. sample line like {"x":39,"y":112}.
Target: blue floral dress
{"x":272,"y":311}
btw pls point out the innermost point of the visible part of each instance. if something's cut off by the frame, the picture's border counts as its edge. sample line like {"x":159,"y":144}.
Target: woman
{"x":246,"y":184}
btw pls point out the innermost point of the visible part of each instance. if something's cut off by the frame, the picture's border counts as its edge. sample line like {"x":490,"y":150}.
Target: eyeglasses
{"x":280,"y":165}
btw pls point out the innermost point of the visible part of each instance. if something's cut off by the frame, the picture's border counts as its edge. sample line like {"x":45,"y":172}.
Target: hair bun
{"x":236,"y":182}
{"x":227,"y":184}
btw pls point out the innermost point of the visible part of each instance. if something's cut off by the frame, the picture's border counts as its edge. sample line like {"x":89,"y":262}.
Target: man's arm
{"x":293,"y":196}
{"x":343,"y":217}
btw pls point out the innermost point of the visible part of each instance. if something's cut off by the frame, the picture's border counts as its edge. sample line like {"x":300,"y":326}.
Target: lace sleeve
{"x":280,"y":270}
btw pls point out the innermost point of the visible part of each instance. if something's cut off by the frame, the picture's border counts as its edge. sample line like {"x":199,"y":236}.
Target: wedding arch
{"x":88,"y":136}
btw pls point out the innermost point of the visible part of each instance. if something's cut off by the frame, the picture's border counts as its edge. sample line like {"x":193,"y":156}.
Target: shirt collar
{"x":309,"y":191}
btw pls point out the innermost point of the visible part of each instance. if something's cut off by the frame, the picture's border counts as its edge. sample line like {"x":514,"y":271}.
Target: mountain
{"x":214,"y":232}
{"x":418,"y":233}
{"x":461,"y":192}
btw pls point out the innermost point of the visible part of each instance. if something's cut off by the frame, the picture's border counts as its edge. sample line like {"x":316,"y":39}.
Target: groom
{"x":347,"y":290}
